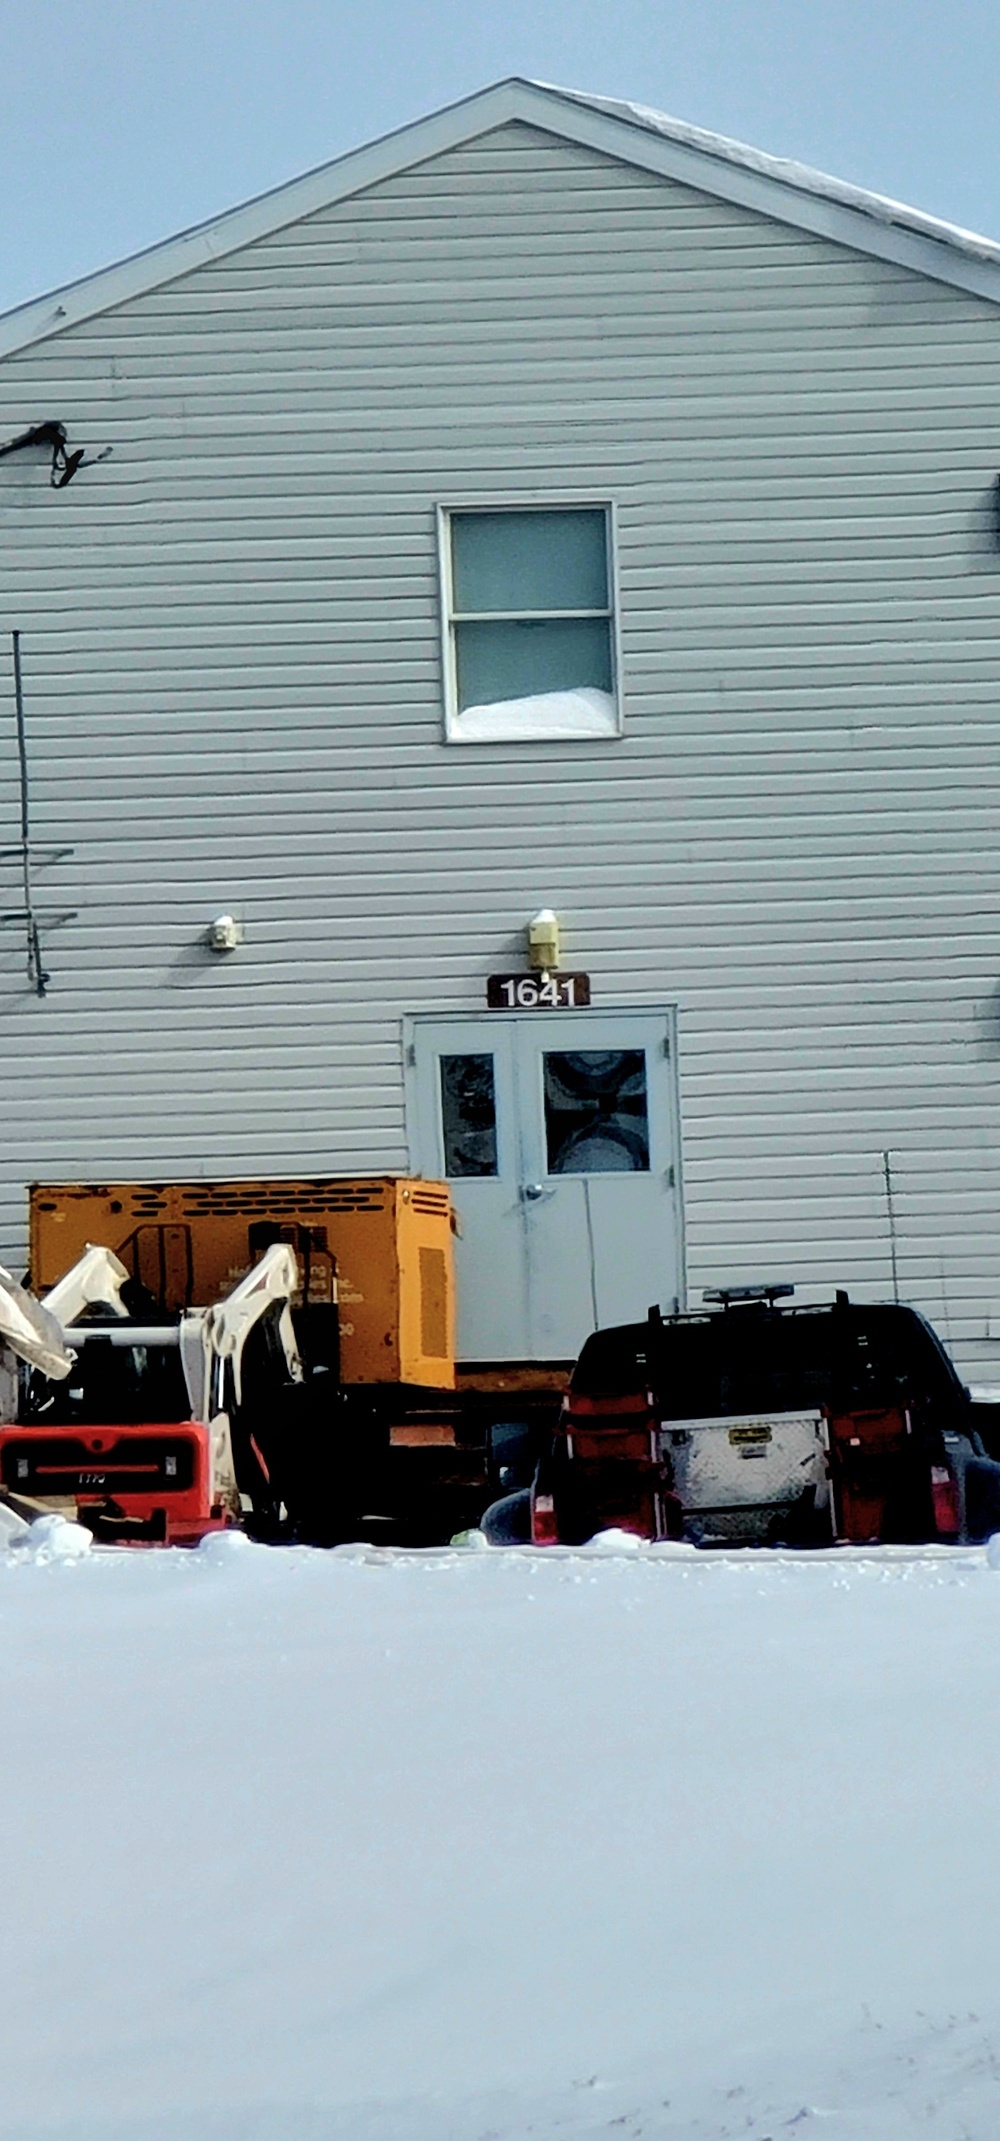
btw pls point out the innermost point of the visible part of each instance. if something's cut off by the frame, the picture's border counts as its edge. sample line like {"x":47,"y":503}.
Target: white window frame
{"x":548,"y":503}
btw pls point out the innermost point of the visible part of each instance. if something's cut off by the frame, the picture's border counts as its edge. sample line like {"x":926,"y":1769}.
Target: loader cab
{"x":112,"y":1385}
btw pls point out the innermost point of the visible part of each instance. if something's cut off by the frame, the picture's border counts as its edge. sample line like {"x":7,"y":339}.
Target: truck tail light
{"x":544,"y":1529}
{"x":944,"y":1497}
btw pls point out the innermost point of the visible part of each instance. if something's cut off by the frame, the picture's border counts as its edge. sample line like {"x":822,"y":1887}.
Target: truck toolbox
{"x":738,"y":1477}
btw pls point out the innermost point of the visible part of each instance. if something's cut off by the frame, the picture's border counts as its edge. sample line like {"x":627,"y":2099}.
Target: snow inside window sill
{"x":546,"y":717}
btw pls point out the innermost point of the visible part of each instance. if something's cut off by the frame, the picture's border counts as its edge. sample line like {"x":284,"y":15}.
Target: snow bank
{"x":615,"y":1541}
{"x":429,"y":1847}
{"x":49,"y":1538}
{"x":12,"y":1527}
{"x":222,"y":1545}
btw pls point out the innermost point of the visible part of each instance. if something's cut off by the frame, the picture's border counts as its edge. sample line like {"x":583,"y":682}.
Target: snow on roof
{"x":787,"y":172}
{"x":771,"y":185}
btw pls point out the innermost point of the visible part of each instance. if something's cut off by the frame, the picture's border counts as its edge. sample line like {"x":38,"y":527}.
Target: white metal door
{"x":462,"y":1112}
{"x":558,"y":1137}
{"x":599,"y":1185}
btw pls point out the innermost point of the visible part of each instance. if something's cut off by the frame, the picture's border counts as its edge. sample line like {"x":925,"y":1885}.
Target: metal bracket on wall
{"x":26,"y":849}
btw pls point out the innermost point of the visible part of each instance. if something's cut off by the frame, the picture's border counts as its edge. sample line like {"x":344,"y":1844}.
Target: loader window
{"x":113,"y":1385}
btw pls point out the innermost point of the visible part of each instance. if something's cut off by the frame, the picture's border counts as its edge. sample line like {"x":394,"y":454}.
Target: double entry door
{"x":558,"y":1136}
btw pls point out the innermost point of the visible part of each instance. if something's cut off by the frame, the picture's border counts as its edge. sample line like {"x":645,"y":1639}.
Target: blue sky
{"x":126,"y":120}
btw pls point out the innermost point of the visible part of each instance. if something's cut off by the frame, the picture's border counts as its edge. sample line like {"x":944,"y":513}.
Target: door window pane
{"x":596,"y":1116}
{"x":468,"y":1115}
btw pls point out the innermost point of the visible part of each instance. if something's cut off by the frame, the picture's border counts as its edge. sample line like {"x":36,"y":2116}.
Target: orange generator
{"x":380,"y":1246}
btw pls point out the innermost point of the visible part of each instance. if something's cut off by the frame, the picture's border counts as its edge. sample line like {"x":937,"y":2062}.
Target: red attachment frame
{"x":576,"y":1407}
{"x":866,"y":1449}
{"x":945,"y":1501}
{"x":614,"y":1444}
{"x":144,"y":1481}
{"x":873,"y":1454}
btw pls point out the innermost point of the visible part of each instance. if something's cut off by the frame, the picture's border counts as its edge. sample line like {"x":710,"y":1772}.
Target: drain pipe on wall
{"x":36,"y":972}
{"x":25,"y":848}
{"x":891,"y":1211}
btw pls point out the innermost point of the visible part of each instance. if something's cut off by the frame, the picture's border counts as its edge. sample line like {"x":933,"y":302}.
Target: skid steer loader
{"x":155,"y":1431}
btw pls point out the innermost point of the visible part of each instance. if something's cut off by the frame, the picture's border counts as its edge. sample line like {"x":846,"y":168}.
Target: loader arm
{"x":94,"y":1281}
{"x":213,"y":1364}
{"x":228,"y":1325}
{"x":30,"y":1331}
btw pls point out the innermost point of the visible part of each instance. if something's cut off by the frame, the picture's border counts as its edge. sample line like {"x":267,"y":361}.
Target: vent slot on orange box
{"x":433,"y":1303}
{"x":289,"y":1199}
{"x":430,"y":1200}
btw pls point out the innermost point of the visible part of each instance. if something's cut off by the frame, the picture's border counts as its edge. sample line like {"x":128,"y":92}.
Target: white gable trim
{"x":238,"y":227}
{"x":798,"y":176}
{"x":789,"y":193}
{"x":726,"y":170}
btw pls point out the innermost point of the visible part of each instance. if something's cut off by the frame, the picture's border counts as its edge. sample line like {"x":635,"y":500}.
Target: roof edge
{"x":710,"y":163}
{"x":803,"y":177}
{"x":232,"y":228}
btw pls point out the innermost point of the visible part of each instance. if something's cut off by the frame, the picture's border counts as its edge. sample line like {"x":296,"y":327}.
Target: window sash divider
{"x":529,"y":616}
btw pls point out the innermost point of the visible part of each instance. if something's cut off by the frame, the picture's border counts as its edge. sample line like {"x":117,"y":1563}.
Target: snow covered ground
{"x":467,"y":1846}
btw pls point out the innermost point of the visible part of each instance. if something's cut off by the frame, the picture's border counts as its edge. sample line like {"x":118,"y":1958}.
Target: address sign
{"x":537,"y":992}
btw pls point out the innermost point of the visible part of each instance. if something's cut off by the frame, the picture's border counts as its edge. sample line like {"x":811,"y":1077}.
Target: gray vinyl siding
{"x":232,"y":667}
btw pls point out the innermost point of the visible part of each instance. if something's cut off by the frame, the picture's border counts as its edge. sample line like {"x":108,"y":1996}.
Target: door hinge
{"x":411,"y":1054}
{"x":666,"y":1046}
{"x":671,"y":1178}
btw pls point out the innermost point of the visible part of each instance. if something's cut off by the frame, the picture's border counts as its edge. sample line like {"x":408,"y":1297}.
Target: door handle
{"x":534,"y":1190}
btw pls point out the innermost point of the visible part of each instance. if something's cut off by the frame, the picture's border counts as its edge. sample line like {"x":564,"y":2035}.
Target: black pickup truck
{"x":758,"y":1420}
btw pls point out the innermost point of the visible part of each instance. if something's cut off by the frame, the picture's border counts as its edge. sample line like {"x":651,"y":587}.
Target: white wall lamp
{"x":543,"y":941}
{"x":224,"y":934}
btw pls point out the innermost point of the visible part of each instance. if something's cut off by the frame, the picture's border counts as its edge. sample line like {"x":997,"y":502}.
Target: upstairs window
{"x":529,"y":624}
